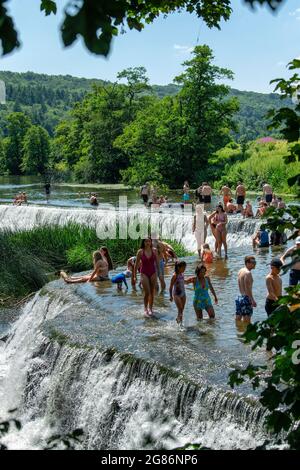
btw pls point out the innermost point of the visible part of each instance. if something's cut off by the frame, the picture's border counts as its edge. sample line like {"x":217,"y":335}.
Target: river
{"x":84,"y":355}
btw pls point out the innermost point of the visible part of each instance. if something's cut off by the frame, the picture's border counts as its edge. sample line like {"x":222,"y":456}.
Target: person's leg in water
{"x":219,"y":242}
{"x":224,"y":242}
{"x":153,"y":283}
{"x":211,"y":312}
{"x":161,"y":274}
{"x":199,"y":312}
{"x":147,"y":291}
{"x":180,"y":304}
{"x":74,"y":280}
{"x":247,"y":319}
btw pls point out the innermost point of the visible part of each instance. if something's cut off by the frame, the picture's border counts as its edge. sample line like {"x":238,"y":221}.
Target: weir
{"x":63,"y":367}
{"x":171,"y":225}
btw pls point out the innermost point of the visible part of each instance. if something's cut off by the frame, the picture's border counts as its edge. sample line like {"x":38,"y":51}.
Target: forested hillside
{"x":46,"y":99}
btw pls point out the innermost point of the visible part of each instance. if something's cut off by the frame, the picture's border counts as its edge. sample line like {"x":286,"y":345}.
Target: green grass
{"x":29,"y":259}
{"x":264,"y":162}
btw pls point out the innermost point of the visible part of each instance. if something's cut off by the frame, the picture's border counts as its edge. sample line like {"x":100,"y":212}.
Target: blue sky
{"x":255,"y":46}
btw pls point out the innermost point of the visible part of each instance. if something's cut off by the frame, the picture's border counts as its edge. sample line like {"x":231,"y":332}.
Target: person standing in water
{"x":148,"y":259}
{"x":206,"y":193}
{"x":220,"y":233}
{"x":245,"y":301}
{"x":200,"y":227}
{"x":156,"y":243}
{"x":267,"y":193}
{"x":177,"y":289}
{"x":274,"y":286}
{"x":240,"y":196}
{"x":295,"y":271}
{"x":226,"y":193}
{"x":202,"y":300}
{"x":145,"y":193}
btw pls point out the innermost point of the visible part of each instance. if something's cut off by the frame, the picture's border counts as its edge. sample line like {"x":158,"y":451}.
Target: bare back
{"x":245,"y":281}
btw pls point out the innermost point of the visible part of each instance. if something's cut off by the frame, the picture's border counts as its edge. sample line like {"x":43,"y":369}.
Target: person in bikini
{"x":99,"y":274}
{"x":148,"y":262}
{"x":220,"y":220}
{"x":177,"y":289}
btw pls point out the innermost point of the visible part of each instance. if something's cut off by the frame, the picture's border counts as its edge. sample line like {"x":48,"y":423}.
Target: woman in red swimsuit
{"x":147,"y":260}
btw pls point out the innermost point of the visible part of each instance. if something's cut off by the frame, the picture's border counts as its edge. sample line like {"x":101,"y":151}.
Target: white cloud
{"x":295,"y":13}
{"x":182,"y":50}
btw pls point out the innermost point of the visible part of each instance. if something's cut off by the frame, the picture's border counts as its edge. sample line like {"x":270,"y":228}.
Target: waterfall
{"x":59,"y":383}
{"x":172,"y":225}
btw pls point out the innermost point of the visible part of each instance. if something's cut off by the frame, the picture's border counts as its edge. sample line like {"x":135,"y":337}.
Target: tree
{"x":36,"y":148}
{"x":2,"y":158}
{"x":137,"y":85}
{"x":287,"y":119}
{"x":86,"y":18}
{"x":17,"y":126}
{"x":182,"y":131}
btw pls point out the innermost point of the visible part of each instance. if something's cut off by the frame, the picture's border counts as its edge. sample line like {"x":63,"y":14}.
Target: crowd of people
{"x":150,"y":262}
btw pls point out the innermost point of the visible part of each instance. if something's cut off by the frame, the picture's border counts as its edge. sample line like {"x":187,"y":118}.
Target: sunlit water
{"x":77,"y":384}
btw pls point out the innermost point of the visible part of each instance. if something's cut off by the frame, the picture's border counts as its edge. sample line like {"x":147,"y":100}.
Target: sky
{"x":256,"y":46}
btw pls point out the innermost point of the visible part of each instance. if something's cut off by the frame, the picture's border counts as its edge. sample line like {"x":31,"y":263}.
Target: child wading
{"x":202,"y":299}
{"x":177,"y":289}
{"x":207,"y":255}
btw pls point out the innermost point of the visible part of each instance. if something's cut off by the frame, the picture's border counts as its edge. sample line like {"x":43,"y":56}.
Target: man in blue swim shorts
{"x":245,"y":301}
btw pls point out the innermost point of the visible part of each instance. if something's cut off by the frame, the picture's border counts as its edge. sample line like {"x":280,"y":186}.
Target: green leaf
{"x":49,"y":6}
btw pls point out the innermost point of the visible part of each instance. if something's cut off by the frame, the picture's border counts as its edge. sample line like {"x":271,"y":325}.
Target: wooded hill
{"x":48,"y":98}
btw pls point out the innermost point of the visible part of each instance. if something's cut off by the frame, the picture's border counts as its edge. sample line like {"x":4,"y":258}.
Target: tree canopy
{"x":98,"y":21}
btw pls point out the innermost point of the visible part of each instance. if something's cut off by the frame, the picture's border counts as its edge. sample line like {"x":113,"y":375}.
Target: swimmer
{"x":202,"y":300}
{"x":177,"y":289}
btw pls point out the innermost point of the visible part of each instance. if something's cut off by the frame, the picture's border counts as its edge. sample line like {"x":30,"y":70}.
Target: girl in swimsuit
{"x":202,"y":299}
{"x":220,"y":220}
{"x":100,"y":272}
{"x":177,"y":289}
{"x":148,"y":262}
{"x":206,"y":255}
{"x":106,"y":256}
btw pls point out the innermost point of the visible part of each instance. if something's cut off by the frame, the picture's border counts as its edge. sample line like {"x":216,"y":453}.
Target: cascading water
{"x":84,"y":356}
{"x":58,"y":383}
{"x":174,"y":224}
